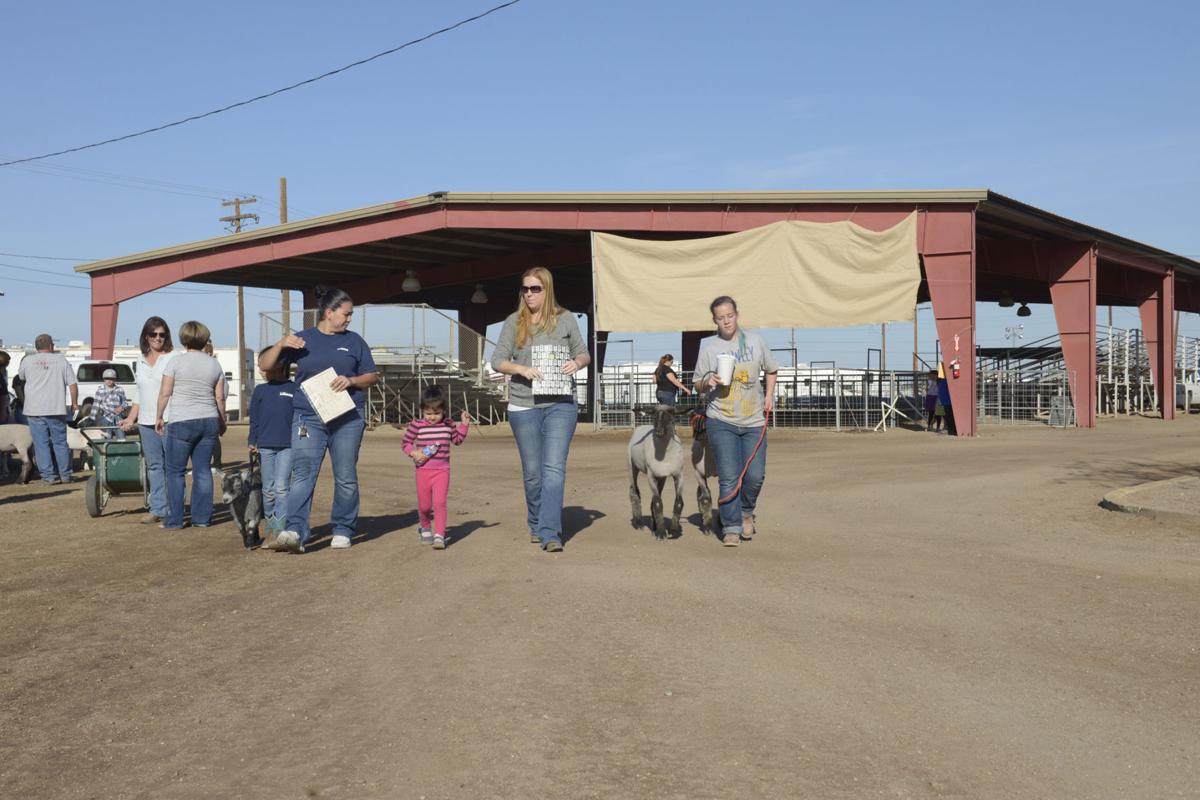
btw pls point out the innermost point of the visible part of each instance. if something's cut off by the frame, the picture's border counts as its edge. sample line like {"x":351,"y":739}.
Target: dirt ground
{"x":918,"y":617}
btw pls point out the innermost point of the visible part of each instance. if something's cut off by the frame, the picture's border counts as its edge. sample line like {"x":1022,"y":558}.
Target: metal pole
{"x":241,"y":354}
{"x":595,"y":375}
{"x":882,"y":348}
{"x":916,"y":342}
{"x":837,"y":399}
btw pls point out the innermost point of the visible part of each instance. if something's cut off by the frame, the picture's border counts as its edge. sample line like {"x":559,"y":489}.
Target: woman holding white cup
{"x":728,"y":370}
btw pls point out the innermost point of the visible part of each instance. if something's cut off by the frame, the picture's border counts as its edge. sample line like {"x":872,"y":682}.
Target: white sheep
{"x":18,"y":439}
{"x":656,"y":451}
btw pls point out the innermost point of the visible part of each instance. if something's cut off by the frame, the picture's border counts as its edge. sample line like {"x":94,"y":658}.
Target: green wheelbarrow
{"x":119,"y":469}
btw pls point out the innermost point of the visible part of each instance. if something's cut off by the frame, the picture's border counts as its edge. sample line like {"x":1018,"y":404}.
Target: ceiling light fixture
{"x":1006,"y":299}
{"x":411,"y":284}
{"x":480,"y":296}
{"x":1024,"y":311}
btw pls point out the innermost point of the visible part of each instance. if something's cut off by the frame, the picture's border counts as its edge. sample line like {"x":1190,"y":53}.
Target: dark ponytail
{"x":329,"y":297}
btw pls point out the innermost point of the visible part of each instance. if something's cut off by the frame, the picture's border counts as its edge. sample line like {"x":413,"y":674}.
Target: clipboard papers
{"x":325,"y":401}
{"x":548,"y":359}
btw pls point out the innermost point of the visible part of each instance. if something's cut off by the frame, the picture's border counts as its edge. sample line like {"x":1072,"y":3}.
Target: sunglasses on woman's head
{"x":533,"y":289}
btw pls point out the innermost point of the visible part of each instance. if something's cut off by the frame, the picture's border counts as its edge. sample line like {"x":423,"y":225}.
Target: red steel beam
{"x":948,"y":253}
{"x":1072,"y":274}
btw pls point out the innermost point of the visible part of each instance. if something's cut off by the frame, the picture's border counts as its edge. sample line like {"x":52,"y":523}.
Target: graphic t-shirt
{"x":740,"y":403}
{"x":46,"y":376}
{"x":346,"y":352}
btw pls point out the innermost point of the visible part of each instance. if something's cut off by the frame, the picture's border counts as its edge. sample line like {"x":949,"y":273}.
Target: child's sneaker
{"x":426,"y":535}
{"x":439,"y":542}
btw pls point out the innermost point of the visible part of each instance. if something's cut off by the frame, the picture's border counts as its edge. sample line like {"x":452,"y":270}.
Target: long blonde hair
{"x":550,"y":309}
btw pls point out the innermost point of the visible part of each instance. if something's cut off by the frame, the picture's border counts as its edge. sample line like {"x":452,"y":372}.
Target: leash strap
{"x":738,"y":487}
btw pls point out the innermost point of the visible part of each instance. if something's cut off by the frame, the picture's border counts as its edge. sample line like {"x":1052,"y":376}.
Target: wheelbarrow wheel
{"x":93,"y":496}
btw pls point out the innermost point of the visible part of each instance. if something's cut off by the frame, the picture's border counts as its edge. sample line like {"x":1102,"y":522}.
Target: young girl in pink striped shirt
{"x":427,"y":442}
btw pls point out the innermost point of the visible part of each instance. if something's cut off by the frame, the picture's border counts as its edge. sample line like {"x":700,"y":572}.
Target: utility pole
{"x":235,"y":226}
{"x":285,"y":302}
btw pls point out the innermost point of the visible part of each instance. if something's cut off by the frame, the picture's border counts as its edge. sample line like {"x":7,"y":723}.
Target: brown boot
{"x":748,"y":527}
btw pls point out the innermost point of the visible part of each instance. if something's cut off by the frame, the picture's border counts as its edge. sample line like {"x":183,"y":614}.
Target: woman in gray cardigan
{"x":541,"y":348}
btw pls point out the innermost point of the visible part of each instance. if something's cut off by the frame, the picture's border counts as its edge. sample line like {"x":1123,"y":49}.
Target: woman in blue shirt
{"x":329,"y":345}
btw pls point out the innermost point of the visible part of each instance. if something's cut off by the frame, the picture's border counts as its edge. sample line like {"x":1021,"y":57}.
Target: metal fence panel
{"x":808,"y":397}
{"x":1011,"y":397}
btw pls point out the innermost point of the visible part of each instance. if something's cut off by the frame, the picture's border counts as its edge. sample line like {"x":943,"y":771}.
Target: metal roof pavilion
{"x":974,"y":245}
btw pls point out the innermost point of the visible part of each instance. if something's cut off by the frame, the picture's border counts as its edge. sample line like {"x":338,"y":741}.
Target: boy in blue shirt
{"x":271,"y":438}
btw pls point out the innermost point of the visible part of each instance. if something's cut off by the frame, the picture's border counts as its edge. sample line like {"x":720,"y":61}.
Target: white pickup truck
{"x":88,"y":376}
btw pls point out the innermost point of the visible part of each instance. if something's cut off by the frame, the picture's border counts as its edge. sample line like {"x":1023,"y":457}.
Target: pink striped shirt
{"x":422,"y":432}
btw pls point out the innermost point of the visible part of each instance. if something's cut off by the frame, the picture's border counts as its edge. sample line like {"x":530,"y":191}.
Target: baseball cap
{"x":109,"y":373}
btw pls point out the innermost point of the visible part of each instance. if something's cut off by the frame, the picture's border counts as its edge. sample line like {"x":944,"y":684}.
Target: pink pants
{"x":433,"y":486}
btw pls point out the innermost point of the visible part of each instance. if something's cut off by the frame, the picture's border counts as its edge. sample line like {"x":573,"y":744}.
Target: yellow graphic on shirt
{"x":740,"y":398}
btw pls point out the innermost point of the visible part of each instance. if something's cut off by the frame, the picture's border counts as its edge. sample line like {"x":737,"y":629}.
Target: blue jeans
{"x":543,"y":439}
{"x":50,"y":445}
{"x":342,"y":437}
{"x":190,"y":439}
{"x":155,"y":457}
{"x":110,"y":422}
{"x":276,"y":465}
{"x":666,"y":397}
{"x":732,"y":446}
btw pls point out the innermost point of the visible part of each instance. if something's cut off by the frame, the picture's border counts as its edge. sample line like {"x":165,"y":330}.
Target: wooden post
{"x":286,"y":297}
{"x":235,"y":221}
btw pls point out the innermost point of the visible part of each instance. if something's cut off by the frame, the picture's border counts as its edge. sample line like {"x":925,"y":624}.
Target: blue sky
{"x":1089,"y":110}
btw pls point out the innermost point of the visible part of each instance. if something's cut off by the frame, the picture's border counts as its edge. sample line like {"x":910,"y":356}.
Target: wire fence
{"x":414,"y":346}
{"x":1012,"y":397}
{"x":805,"y":397}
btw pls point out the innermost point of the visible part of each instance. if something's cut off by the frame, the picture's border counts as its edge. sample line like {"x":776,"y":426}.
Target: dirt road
{"x":919,"y":617}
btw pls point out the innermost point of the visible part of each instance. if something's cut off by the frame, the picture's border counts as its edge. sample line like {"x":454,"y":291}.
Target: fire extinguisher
{"x":955,"y":369}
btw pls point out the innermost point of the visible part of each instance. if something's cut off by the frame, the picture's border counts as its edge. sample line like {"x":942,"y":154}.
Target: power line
{"x":47,"y":258}
{"x":240,"y":103}
{"x":136,"y":182}
{"x":181,"y":290}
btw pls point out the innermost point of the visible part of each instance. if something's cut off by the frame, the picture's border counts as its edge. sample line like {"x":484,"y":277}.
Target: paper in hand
{"x":548,"y":359}
{"x":325,"y":401}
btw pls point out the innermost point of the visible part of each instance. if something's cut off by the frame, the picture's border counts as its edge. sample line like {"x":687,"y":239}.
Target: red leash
{"x":753,"y":453}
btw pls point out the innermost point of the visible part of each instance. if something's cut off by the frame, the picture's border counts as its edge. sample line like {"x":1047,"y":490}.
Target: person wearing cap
{"x":50,"y":388}
{"x":109,"y":405}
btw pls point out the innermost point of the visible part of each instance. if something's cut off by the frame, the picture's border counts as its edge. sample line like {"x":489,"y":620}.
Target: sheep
{"x":656,"y":450}
{"x":18,"y":439}
{"x":704,"y":466}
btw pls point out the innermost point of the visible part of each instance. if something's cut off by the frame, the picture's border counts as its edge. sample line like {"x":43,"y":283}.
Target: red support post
{"x":947,"y":244}
{"x":1071,"y":269}
{"x":104,"y":330}
{"x":1158,"y":328}
{"x":104,"y":316}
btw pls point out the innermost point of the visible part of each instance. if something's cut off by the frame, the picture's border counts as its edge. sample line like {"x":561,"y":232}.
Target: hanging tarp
{"x":783,"y":275}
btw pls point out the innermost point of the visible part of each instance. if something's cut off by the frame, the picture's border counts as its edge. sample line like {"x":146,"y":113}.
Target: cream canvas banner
{"x":783,"y":275}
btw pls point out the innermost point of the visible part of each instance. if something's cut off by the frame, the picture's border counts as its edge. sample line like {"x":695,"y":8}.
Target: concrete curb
{"x":1126,"y":500}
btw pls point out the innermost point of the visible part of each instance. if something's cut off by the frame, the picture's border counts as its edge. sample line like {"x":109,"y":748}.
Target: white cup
{"x":725,"y":364}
